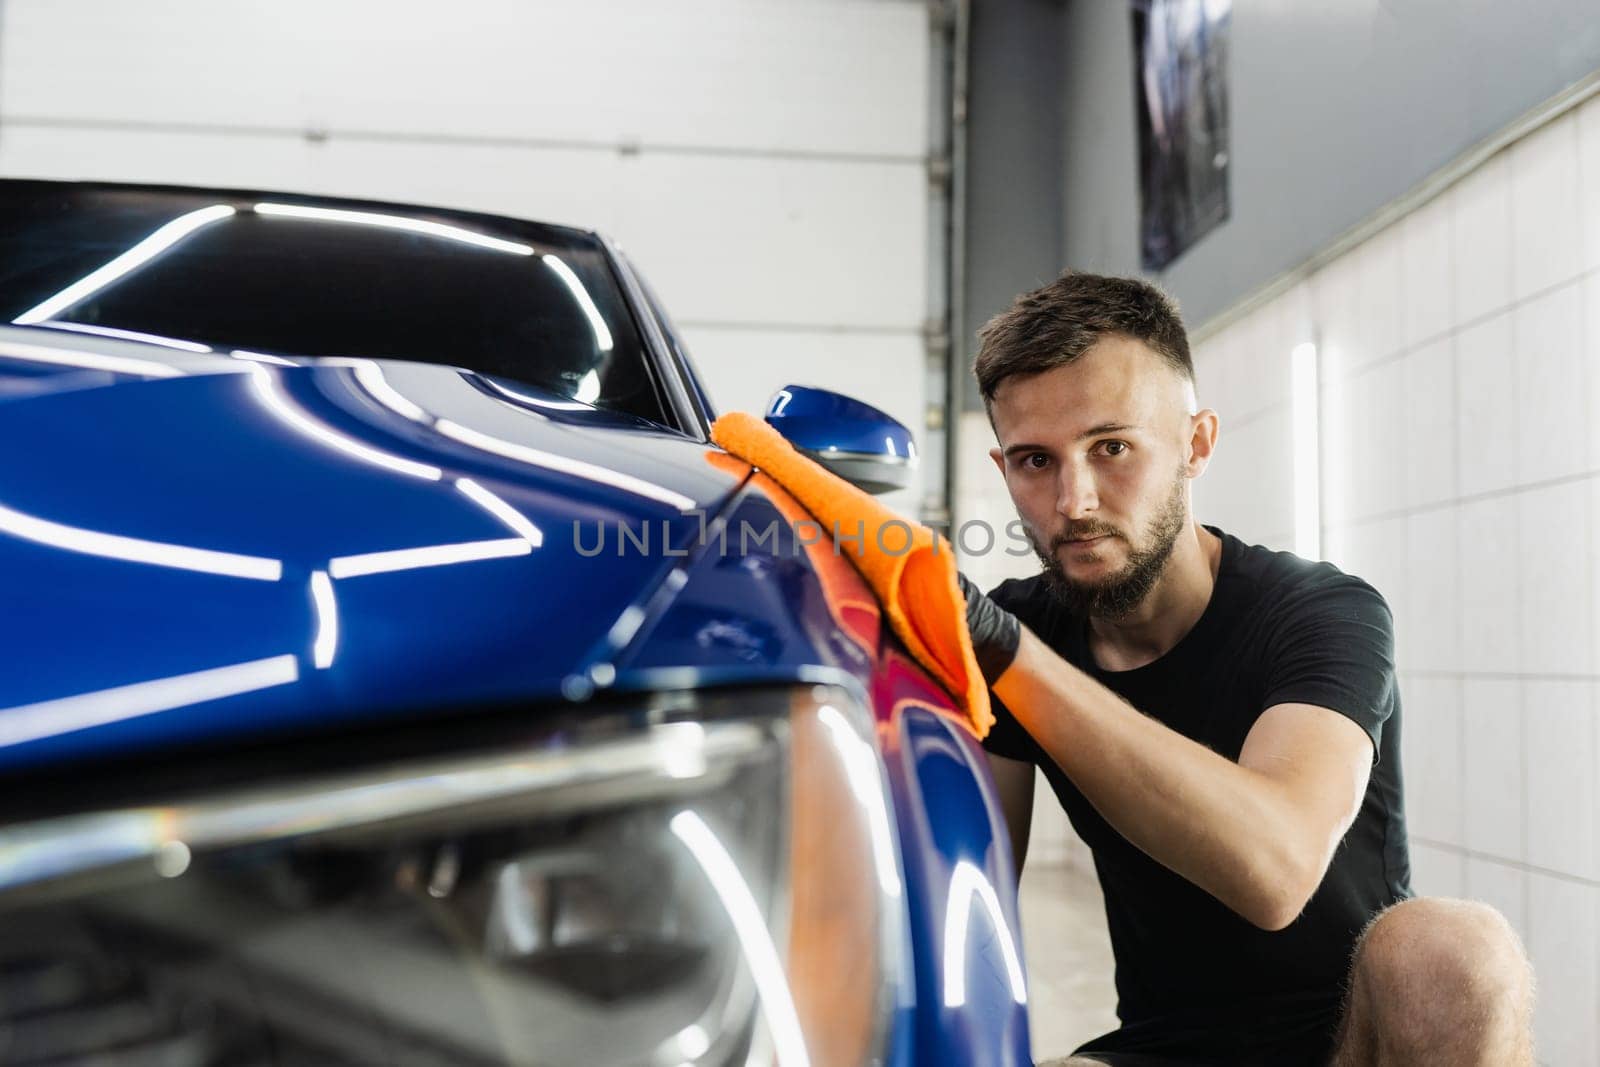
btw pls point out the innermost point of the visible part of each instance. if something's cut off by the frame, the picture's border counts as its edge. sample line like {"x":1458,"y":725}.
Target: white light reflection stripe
{"x":135,"y":257}
{"x":759,"y":952}
{"x":394,"y":222}
{"x":262,"y":357}
{"x":566,"y":465}
{"x":966,"y":883}
{"x":49,"y":718}
{"x":266,"y":388}
{"x":327,"y":639}
{"x":89,"y":360}
{"x":135,"y":550}
{"x":125,"y":335}
{"x":371,"y":378}
{"x":602,"y":333}
{"x":406,"y":559}
{"x":515,"y":521}
{"x":1307,"y":462}
{"x":553,"y":405}
{"x":861,"y":766}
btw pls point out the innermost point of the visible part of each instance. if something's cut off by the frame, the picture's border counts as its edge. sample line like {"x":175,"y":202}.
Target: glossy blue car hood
{"x":229,"y":547}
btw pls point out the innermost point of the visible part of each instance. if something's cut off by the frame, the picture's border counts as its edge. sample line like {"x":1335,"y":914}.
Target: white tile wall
{"x":1589,"y":327}
{"x":1492,"y":768}
{"x":1545,"y":245}
{"x":1588,"y":178}
{"x":1480,"y":221}
{"x":1560,"y":718}
{"x":1554,"y":543}
{"x":1563,"y":927}
{"x":1503,"y":885}
{"x":1428,"y":392}
{"x":1431,"y":600}
{"x":1437,"y":871}
{"x":1432,"y":758}
{"x":1425,"y":252}
{"x":1487,"y":581}
{"x":1550,"y":380}
{"x":1486,"y":433}
{"x":1460,"y":416}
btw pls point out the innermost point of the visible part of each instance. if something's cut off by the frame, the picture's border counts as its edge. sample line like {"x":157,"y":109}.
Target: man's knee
{"x":1432,"y":962}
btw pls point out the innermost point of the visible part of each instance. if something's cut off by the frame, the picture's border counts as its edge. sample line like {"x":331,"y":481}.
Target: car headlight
{"x":710,"y":879}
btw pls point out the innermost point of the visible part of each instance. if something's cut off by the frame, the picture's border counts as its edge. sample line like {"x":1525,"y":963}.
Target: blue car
{"x":396,"y":673}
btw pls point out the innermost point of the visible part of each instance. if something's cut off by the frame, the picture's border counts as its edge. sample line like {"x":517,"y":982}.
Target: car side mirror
{"x":854,"y":440}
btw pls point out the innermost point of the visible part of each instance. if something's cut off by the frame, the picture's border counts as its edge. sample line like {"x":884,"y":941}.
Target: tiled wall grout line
{"x":1504,"y":861}
{"x":1518,"y":594}
{"x":1356,"y":370}
{"x":1475,"y":498}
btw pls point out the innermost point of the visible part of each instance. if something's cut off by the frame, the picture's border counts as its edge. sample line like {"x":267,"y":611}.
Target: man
{"x":1220,"y":723}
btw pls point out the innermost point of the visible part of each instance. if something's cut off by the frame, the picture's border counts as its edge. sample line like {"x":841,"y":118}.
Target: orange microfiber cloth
{"x":911,"y":569}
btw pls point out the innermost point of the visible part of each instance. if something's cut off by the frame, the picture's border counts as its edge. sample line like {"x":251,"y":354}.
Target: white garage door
{"x":763,"y":161}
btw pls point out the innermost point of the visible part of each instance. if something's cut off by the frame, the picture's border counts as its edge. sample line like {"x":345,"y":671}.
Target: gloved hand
{"x":995,"y":631}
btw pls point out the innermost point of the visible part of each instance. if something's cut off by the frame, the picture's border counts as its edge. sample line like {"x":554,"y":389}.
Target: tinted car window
{"x":298,"y":276}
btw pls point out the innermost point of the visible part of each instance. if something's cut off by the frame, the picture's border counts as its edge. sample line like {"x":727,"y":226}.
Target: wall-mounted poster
{"x":1180,"y":58}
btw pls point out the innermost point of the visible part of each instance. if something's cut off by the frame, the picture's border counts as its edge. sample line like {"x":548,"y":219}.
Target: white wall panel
{"x":1546,"y":246}
{"x":845,"y":76}
{"x":1564,"y":940}
{"x":785,"y":241}
{"x":1431,"y":750}
{"x":123,"y":155}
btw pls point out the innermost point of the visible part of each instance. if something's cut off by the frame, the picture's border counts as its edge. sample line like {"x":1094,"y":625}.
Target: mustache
{"x":1082,"y":531}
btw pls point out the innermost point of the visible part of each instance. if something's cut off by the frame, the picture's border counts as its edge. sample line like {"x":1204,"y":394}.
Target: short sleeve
{"x":1334,"y":648}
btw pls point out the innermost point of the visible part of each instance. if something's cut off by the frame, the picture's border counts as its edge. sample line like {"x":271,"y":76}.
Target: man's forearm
{"x":1233,"y":831}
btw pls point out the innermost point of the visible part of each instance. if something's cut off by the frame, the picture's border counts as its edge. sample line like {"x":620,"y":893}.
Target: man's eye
{"x":1114,"y":448}
{"x":1035,"y":460}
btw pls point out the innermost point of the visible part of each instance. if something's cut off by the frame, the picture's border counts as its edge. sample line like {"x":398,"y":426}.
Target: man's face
{"x":1097,"y":456}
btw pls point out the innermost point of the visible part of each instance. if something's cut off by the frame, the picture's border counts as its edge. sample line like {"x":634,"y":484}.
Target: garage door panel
{"x":573,"y":188}
{"x":179,"y":159}
{"x":847,"y":76}
{"x":780,"y":240}
{"x":743,"y":368}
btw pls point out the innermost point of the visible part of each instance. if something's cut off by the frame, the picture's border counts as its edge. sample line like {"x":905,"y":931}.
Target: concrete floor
{"x":1071,"y":997}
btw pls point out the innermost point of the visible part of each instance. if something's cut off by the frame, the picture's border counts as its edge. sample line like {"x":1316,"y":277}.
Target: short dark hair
{"x":1055,"y":324}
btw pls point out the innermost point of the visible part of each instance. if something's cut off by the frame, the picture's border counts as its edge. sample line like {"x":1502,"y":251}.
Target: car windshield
{"x":290,"y":275}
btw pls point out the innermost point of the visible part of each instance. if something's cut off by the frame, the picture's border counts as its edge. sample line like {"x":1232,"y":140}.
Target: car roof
{"x":552,"y":231}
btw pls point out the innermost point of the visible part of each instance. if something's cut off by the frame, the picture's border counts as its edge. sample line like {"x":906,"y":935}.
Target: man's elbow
{"x":1278,"y":896}
{"x":1275,"y":913}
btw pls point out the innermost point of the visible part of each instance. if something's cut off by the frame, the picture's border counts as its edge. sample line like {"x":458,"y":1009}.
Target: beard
{"x":1118,"y":595}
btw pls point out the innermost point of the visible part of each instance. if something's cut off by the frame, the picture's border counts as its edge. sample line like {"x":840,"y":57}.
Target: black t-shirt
{"x":1195,"y":980}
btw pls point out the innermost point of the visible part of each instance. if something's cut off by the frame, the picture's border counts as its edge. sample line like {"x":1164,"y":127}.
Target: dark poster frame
{"x":1181,"y":90}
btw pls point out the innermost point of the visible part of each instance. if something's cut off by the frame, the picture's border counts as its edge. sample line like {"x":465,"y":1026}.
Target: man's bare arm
{"x":1013,"y":781}
{"x":1258,"y":834}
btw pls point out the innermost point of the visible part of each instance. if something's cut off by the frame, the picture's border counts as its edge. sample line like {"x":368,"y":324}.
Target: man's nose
{"x":1075,"y":495}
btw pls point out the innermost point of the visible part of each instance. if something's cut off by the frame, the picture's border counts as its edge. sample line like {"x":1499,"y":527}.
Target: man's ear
{"x":999,"y":460}
{"x":1203,"y":426}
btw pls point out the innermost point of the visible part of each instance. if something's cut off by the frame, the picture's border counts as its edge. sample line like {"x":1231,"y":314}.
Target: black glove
{"x":995,"y":631}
